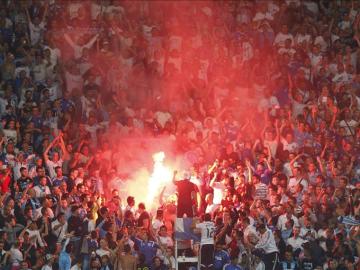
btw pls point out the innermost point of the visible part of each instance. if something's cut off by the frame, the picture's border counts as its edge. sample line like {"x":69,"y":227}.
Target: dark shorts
{"x":206,"y":256}
{"x":185,"y":209}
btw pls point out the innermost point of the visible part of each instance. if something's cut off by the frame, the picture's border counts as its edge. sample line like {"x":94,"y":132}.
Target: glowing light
{"x":160,"y":176}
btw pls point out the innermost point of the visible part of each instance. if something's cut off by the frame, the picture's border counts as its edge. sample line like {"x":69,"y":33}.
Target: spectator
{"x":258,"y":99}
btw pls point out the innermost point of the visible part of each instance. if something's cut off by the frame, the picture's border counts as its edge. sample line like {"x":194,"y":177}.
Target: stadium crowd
{"x":263,"y":97}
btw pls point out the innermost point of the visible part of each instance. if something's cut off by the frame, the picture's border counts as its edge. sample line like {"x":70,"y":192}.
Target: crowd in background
{"x":262,"y":97}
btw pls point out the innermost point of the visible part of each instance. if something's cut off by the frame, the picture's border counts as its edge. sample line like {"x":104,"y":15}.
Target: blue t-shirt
{"x":57,"y":181}
{"x":148,"y":248}
{"x":37,"y":120}
{"x":221,"y":257}
{"x":285,"y":265}
{"x":231,"y":266}
{"x":64,"y":261}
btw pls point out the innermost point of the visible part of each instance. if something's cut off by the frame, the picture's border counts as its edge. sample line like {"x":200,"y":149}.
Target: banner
{"x":183,"y":230}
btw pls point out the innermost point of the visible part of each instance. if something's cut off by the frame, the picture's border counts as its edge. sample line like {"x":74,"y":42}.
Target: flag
{"x":183,"y":230}
{"x":348,"y":220}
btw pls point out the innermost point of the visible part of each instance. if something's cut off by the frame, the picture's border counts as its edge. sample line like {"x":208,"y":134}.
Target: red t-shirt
{"x":4,"y":183}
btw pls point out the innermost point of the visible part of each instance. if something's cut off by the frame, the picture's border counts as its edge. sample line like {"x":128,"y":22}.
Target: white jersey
{"x":267,"y":242}
{"x":207,"y":232}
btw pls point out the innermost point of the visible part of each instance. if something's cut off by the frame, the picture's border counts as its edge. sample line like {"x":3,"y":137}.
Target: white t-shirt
{"x":283,"y":219}
{"x":291,"y":147}
{"x":156,"y":224}
{"x":36,"y":32}
{"x":60,"y":231}
{"x":293,"y":182}
{"x":41,"y":191}
{"x":35,"y":234}
{"x":162,"y":117}
{"x":315,"y":59}
{"x":268,"y":103}
{"x":166,"y":241}
{"x":342,"y":77}
{"x":263,"y":16}
{"x":349,"y":126}
{"x":249,"y":230}
{"x":319,"y":40}
{"x":51,"y":165}
{"x":272,"y":145}
{"x":73,"y":81}
{"x":296,"y":242}
{"x":55,"y":54}
{"x":39,"y":71}
{"x":290,"y":51}
{"x":16,"y":256}
{"x":75,"y":267}
{"x":281,"y":37}
{"x":170,"y":262}
{"x":300,"y":38}
{"x":10,"y":134}
{"x":175,"y":43}
{"x":267,"y":242}
{"x":211,"y":208}
{"x":218,"y":192}
{"x":101,"y":252}
{"x":207,"y":232}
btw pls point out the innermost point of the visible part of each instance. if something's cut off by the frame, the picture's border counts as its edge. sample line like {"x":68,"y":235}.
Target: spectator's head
{"x":141,"y":208}
{"x":115,"y":192}
{"x":288,"y":255}
{"x":95,"y":263}
{"x":332,"y":264}
{"x":163,"y":231}
{"x":24,"y":265}
{"x":157,"y":262}
{"x":23,"y":172}
{"x":74,"y":173}
{"x":159,"y":214}
{"x":261,"y":228}
{"x":58,"y":171}
{"x":55,"y":157}
{"x":127,"y":249}
{"x":130,"y":201}
{"x":207,"y":217}
{"x":105,"y":260}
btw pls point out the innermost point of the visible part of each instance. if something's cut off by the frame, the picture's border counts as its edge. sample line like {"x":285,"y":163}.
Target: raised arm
{"x":278,"y":132}
{"x":254,"y":148}
{"x":212,"y":182}
{"x":161,"y":196}
{"x":351,"y":165}
{"x":293,"y":161}
{"x":28,"y":15}
{"x":333,"y":119}
{"x":268,"y":160}
{"x":247,"y":123}
{"x":21,"y":235}
{"x":174,"y":176}
{"x":263,"y":133}
{"x":194,"y":222}
{"x":248,"y":165}
{"x":80,"y":145}
{"x":321,"y":165}
{"x":322,"y":155}
{"x":69,"y":40}
{"x":63,"y":148}
{"x":91,"y":41}
{"x":45,"y":11}
{"x":212,"y":168}
{"x":46,"y":153}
